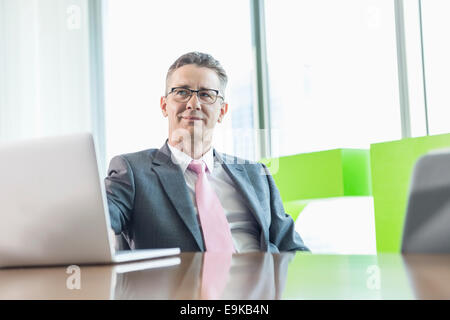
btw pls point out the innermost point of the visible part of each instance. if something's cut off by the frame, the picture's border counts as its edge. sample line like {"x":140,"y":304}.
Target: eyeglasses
{"x":206,"y":96}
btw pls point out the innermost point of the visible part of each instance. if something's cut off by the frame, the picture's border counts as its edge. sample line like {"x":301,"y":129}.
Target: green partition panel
{"x":323,"y":174}
{"x":391,"y":166}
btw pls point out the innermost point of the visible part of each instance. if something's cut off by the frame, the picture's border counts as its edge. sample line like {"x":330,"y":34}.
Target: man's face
{"x":193,"y":117}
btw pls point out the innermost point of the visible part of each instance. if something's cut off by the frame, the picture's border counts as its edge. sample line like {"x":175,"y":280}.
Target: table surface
{"x":249,"y":276}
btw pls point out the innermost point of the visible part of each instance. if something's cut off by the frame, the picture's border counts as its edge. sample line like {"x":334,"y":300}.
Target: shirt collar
{"x":183,"y":160}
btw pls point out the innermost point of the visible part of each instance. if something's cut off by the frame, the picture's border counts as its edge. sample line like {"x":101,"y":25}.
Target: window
{"x":436,"y":47}
{"x":45,"y":83}
{"x":143,"y":38}
{"x":413,"y":54}
{"x":332,"y":74}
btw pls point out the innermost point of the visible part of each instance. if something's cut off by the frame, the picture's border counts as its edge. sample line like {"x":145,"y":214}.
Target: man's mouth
{"x":192,"y":118}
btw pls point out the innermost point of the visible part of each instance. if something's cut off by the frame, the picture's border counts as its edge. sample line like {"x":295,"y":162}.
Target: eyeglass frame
{"x":196,"y":92}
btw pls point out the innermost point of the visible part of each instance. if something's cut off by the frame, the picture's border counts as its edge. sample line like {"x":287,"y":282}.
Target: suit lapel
{"x":245,"y":186}
{"x":174,"y":185}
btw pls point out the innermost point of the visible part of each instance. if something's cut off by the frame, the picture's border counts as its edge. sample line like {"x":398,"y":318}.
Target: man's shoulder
{"x":139,"y":156}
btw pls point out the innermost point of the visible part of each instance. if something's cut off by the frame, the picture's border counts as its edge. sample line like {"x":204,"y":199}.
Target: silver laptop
{"x":427,"y":222}
{"x":53,"y":207}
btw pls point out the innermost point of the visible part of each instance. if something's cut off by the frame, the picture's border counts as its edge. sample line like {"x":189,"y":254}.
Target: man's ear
{"x":223,"y":111}
{"x":163,"y":105}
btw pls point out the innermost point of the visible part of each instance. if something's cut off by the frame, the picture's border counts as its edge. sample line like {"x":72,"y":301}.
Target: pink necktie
{"x":216,"y":231}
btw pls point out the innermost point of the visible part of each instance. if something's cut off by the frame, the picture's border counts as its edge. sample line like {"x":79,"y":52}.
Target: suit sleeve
{"x":120,"y":191}
{"x":282,"y":232}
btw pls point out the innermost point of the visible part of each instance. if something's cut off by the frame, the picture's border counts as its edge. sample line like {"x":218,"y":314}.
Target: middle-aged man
{"x":187,"y":194}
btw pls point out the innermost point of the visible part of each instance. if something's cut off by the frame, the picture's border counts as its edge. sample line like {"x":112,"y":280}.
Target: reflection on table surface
{"x":246,"y":276}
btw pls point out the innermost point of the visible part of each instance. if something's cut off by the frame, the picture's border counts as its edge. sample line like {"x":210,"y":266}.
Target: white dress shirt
{"x":244,"y":228}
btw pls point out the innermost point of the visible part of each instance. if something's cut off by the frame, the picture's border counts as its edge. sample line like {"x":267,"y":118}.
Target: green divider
{"x":391,"y":166}
{"x":323,"y":174}
{"x":356,"y":171}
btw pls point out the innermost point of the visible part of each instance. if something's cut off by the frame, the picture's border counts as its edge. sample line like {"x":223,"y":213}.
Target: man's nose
{"x":193,"y":102}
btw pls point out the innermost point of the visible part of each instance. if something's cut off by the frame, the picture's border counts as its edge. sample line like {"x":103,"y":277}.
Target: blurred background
{"x":304,"y":76}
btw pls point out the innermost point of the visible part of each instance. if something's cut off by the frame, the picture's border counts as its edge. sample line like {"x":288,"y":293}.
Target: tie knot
{"x":198,"y":166}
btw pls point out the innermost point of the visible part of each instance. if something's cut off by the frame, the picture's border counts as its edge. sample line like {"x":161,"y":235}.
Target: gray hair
{"x":201,"y":60}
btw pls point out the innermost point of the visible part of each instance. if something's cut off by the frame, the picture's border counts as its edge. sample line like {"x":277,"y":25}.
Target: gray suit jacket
{"x":150,"y":206}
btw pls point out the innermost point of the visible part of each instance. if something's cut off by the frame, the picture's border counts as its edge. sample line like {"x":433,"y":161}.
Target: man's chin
{"x":190,"y":132}
{"x":192,"y":126}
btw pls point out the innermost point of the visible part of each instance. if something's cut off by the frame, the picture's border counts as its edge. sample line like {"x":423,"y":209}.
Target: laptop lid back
{"x":427,"y":224}
{"x":52,"y":206}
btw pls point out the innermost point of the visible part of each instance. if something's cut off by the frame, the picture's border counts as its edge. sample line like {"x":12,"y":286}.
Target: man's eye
{"x":181,"y":92}
{"x":205,"y":94}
